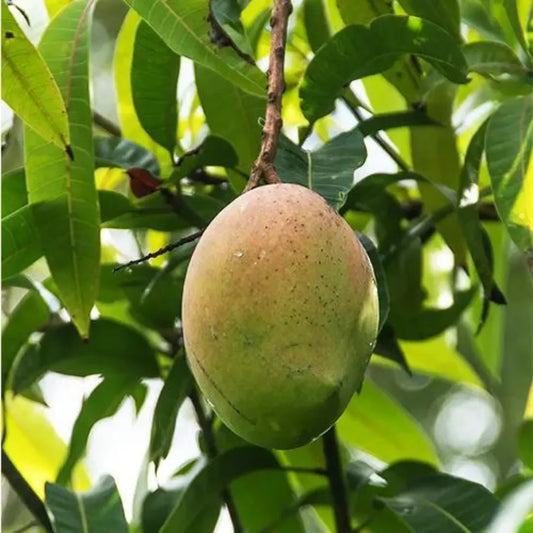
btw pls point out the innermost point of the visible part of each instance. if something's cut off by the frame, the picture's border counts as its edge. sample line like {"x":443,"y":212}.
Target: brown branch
{"x":190,"y":238}
{"x":264,"y":164}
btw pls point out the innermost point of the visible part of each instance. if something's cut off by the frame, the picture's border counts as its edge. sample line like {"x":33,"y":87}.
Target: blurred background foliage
{"x":445,"y":197}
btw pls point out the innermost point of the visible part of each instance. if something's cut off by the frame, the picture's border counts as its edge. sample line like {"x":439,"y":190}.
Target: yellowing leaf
{"x":34,"y":447}
{"x":28,"y":86}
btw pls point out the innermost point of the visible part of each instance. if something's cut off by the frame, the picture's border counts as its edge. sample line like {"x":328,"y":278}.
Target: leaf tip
{"x":69,"y":152}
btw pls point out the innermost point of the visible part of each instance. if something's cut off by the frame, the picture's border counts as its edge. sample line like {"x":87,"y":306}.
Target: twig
{"x":264,"y":164}
{"x":190,"y":238}
{"x":106,"y":124}
{"x":305,"y":470}
{"x":336,"y":482}
{"x":25,"y":492}
{"x":212,"y":452}
{"x":393,"y":154}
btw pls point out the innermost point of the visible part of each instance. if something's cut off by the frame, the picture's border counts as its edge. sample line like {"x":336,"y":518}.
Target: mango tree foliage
{"x":412,"y":119}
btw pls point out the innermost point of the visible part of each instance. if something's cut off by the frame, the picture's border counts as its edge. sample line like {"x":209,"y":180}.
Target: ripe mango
{"x":280,"y":315}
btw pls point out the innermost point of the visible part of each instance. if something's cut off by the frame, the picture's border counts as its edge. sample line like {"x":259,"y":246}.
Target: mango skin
{"x":280,"y":315}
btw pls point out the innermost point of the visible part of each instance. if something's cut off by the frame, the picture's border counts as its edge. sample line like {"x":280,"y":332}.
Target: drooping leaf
{"x":316,"y":23}
{"x":14,"y":195}
{"x":177,"y":386}
{"x":231,"y":114}
{"x":184,"y":27}
{"x":328,"y":171}
{"x":115,"y":349}
{"x":478,"y":242}
{"x":95,"y":511}
{"x":444,"y":503}
{"x":121,"y":153}
{"x":208,"y":481}
{"x":214,"y":151}
{"x":154,"y":78}
{"x":158,"y":505}
{"x":28,"y":316}
{"x":367,"y":422}
{"x":477,"y":14}
{"x":103,"y":402}
{"x":444,"y":13}
{"x":358,"y":51}
{"x":63,"y":191}
{"x":21,"y":244}
{"x":508,"y":147}
{"x":28,"y":86}
{"x":492,"y":57}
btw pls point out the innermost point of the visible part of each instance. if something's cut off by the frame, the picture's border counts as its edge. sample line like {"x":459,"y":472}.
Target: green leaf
{"x":381,"y":279}
{"x":476,"y":238}
{"x":154,"y":79}
{"x":262,"y":495}
{"x":388,"y":121}
{"x":444,"y":503}
{"x":476,"y":13}
{"x":207,"y":482}
{"x":121,"y":153}
{"x":428,"y":322}
{"x":329,"y":170}
{"x":387,"y":346}
{"x":114,"y":350}
{"x":316,"y":23}
{"x":21,"y":244}
{"x":231,"y":114}
{"x":363,"y":11}
{"x":103,"y":402}
{"x":508,"y":146}
{"x":358,"y":51}
{"x":435,"y":155}
{"x":28,"y":86}
{"x":514,"y":511}
{"x":512,"y":14}
{"x":214,"y":151}
{"x":30,"y":314}
{"x":444,"y":13}
{"x":62,"y":190}
{"x":492,"y":57}
{"x":525,"y":443}
{"x":14,"y":195}
{"x":177,"y":386}
{"x":184,"y":27}
{"x":158,"y":505}
{"x":154,"y":296}
{"x":96,"y":511}
{"x":366,"y":424}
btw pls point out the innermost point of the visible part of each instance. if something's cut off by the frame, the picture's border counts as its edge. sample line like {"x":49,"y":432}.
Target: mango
{"x":280,"y":315}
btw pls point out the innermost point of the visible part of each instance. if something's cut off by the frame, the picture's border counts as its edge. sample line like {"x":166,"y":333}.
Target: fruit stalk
{"x":264,"y":164}
{"x":212,"y":452}
{"x":337,"y":484}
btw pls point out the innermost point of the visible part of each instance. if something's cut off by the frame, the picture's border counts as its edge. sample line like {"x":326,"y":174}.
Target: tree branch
{"x":386,"y":147}
{"x":336,"y":482}
{"x":264,"y":164}
{"x":25,"y":492}
{"x":106,"y":124}
{"x":190,"y":238}
{"x":212,"y":452}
